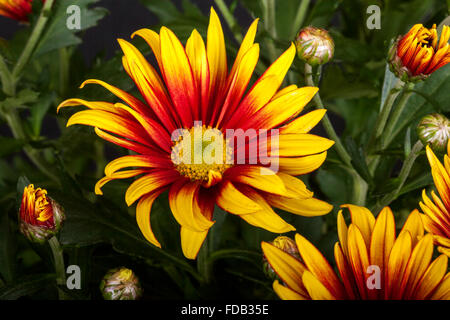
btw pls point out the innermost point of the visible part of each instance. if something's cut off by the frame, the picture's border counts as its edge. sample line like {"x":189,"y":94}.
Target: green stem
{"x":360,"y":188}
{"x":388,"y":133}
{"x":15,"y":124}
{"x":386,"y":109}
{"x":204,"y":267}
{"x":269,"y":24}
{"x":343,"y":154}
{"x":300,"y":17}
{"x":64,"y":69}
{"x":32,"y":41}
{"x":229,"y":18}
{"x":5,"y":77}
{"x":58,"y":260}
{"x":403,"y":175}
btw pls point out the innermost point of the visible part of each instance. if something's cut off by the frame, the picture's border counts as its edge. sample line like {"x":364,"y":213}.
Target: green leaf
{"x":38,"y":112}
{"x":388,"y":83}
{"x":358,"y":160}
{"x":10,"y":145}
{"x":57,"y":35}
{"x":26,"y":286}
{"x":88,"y":224}
{"x":24,"y":97}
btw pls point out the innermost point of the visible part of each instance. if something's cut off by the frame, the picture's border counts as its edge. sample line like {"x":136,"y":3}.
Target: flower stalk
{"x":58,"y":260}
{"x":229,"y":18}
{"x":403,"y":175}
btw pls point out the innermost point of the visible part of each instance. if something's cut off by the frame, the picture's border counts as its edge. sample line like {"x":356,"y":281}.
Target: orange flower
{"x":419,"y":53}
{"x":436,"y":217}
{"x":373,"y":264}
{"x":197,"y":95}
{"x":16,"y":9}
{"x":40,"y":217}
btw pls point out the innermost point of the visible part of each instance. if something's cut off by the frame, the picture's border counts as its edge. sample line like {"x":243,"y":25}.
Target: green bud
{"x":120,"y":284}
{"x":434,"y":130}
{"x":287,"y":245}
{"x":314,"y":46}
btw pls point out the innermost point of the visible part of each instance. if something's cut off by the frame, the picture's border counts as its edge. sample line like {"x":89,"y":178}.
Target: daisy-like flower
{"x":419,"y":53}
{"x":197,"y":96}
{"x":373,"y":264}
{"x":16,"y":9}
{"x":436,"y":211}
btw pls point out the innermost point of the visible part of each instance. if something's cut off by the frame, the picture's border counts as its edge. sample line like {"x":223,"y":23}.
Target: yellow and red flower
{"x":419,"y":53}
{"x":16,"y":9}
{"x":373,"y":264}
{"x":196,"y":92}
{"x":40,"y":216}
{"x":436,"y":212}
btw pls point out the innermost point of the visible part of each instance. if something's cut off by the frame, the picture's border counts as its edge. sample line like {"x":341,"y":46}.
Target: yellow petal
{"x":302,"y":144}
{"x":415,"y":227}
{"x":319,"y":267}
{"x":289,"y":269}
{"x":217,"y":55}
{"x":363,"y":219}
{"x":304,"y":207}
{"x":399,"y":257}
{"x":359,"y":260}
{"x":442,"y":292}
{"x":302,"y":165}
{"x":191,"y":241}
{"x":431,"y":278}
{"x":152,"y":39}
{"x":304,"y":123}
{"x":143,"y":210}
{"x":285,"y":293}
{"x":117,"y":175}
{"x":234,"y":201}
{"x":316,"y":290}
{"x":137,"y":161}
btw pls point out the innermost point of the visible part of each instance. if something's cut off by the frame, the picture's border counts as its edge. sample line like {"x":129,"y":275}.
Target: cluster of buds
{"x":414,"y":56}
{"x":434,"y":130}
{"x":314,"y":46}
{"x":287,"y":245}
{"x":40,"y":217}
{"x":120,"y":284}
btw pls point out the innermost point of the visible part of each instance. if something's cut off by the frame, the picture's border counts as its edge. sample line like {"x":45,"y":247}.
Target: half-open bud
{"x":414,"y":56}
{"x":314,"y":46}
{"x":434,"y":130}
{"x":40,"y":217}
{"x":287,"y":245}
{"x":120,"y":284}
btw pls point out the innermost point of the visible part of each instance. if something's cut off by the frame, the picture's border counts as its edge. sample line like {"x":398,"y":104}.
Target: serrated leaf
{"x":358,"y":160}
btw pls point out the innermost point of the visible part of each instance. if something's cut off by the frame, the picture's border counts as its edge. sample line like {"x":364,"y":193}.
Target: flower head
{"x":120,"y":284}
{"x":314,"y":45}
{"x":436,"y":211}
{"x":434,"y":130}
{"x":419,"y":53}
{"x":206,"y":140}
{"x":16,"y":9}
{"x":373,"y":264}
{"x":40,"y":216}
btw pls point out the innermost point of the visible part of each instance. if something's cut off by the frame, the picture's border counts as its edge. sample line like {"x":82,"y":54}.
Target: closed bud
{"x":419,"y":53}
{"x":314,"y":46}
{"x":287,"y":245}
{"x":120,"y":284}
{"x":40,"y":217}
{"x":434,"y":130}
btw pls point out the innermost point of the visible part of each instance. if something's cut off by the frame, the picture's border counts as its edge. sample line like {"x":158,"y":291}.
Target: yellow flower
{"x":197,"y":95}
{"x":16,"y":9}
{"x":420,"y":52}
{"x":436,"y":217}
{"x":373,"y":264}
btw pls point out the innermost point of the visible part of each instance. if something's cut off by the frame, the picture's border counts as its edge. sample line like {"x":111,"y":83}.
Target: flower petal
{"x":143,"y":210}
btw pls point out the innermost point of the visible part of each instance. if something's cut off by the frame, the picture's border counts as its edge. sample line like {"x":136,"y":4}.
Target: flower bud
{"x":414,"y":56}
{"x":120,"y":284}
{"x":314,"y":46}
{"x":434,"y":130}
{"x":40,"y":216}
{"x":17,"y":9}
{"x":287,"y":245}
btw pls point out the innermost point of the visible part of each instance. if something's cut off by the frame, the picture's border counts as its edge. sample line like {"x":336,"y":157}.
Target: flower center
{"x":201,"y":154}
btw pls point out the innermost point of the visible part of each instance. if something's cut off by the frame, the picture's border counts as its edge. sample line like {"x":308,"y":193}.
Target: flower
{"x":287,"y":245}
{"x":120,"y":284}
{"x":197,"y":97}
{"x":436,"y":216}
{"x":16,"y":9}
{"x":40,"y":216}
{"x":417,"y":54}
{"x":434,"y":130}
{"x":314,"y":45}
{"x":373,"y":264}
